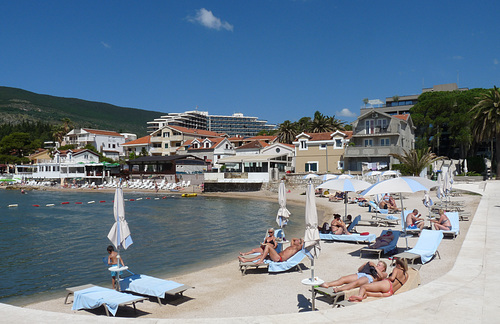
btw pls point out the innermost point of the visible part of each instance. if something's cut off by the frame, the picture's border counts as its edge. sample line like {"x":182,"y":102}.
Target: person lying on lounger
{"x":382,"y":240}
{"x":414,"y":221}
{"x":270,"y":253}
{"x":270,"y":239}
{"x":389,"y":203}
{"x":338,"y":227}
{"x":386,"y":287}
{"x":367,"y":273}
{"x":443,"y":223}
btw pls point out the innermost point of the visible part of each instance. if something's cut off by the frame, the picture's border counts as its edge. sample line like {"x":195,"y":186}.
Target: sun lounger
{"x":405,"y":229}
{"x":151,"y":286}
{"x":358,"y":238}
{"x":272,"y":266}
{"x":95,"y":296}
{"x":383,"y":249}
{"x":455,"y":224}
{"x":425,"y":249}
{"x":374,"y":208}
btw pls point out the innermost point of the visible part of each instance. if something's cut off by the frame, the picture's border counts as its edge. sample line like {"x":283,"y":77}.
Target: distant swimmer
{"x":22,"y":191}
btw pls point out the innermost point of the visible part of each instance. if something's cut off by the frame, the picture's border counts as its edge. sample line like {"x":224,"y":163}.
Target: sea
{"x":45,"y":249}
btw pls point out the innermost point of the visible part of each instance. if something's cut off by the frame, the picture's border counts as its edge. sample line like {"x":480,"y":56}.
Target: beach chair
{"x":383,"y":249}
{"x":374,"y":208}
{"x":357,"y":238}
{"x":151,"y":286}
{"x":94,"y":296}
{"x":425,"y":249}
{"x":272,"y":266}
{"x":406,"y":230}
{"x":455,"y":224}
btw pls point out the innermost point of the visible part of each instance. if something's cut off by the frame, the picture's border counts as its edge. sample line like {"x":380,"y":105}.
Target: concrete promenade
{"x":467,"y":293}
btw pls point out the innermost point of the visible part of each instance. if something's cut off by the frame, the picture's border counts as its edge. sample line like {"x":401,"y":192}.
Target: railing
{"x":355,"y":151}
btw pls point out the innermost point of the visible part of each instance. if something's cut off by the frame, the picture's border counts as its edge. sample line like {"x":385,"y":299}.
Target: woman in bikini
{"x":386,"y":287}
{"x":382,"y":240}
{"x":338,"y":227}
{"x":270,"y":239}
{"x":443,"y":223}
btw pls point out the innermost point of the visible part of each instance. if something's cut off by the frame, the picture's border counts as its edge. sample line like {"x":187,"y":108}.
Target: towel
{"x":94,"y":297}
{"x":146,"y":285}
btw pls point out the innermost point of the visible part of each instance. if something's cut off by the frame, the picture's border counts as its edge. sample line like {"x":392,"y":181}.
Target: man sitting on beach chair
{"x":414,"y":221}
{"x":270,"y":252}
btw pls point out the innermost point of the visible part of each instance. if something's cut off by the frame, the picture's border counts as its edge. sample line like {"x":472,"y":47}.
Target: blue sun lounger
{"x":426,"y":247}
{"x":96,"y":296}
{"x":357,"y":238}
{"x":272,"y":266}
{"x":151,"y":286}
{"x":455,"y":224}
{"x":383,"y":249}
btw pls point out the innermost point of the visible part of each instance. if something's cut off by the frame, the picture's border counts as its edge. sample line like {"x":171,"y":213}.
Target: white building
{"x":109,"y":143}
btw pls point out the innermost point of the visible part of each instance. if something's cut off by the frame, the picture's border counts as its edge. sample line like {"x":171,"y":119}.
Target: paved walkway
{"x":468,"y":293}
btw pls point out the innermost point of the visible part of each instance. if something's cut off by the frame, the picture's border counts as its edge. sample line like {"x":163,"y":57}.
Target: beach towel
{"x":95,"y":297}
{"x":146,"y":285}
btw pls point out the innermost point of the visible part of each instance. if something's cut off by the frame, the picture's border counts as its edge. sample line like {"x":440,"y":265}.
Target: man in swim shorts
{"x":113,"y":261}
{"x":367,"y":273}
{"x":414,"y":221}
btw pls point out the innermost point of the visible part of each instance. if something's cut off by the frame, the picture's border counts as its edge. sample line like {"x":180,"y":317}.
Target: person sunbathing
{"x":386,"y":287}
{"x":338,"y":227}
{"x":382,"y":240}
{"x":389,"y":203}
{"x":270,"y":253}
{"x":443,"y":223}
{"x":414,"y":221}
{"x":367,"y":273}
{"x":270,"y":239}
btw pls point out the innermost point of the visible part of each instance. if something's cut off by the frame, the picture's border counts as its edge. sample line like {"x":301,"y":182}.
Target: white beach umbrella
{"x":389,"y":173}
{"x":427,"y":201}
{"x":311,"y":236}
{"x":425,"y":182}
{"x":373,"y":173}
{"x":465,"y":167}
{"x":119,"y":234}
{"x":310,"y":176}
{"x":345,"y":176}
{"x":283,"y":213}
{"x":327,"y":177}
{"x":396,"y":185}
{"x":345,"y":185}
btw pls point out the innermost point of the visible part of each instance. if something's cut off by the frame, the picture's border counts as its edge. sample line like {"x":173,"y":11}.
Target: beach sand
{"x":222,"y":291}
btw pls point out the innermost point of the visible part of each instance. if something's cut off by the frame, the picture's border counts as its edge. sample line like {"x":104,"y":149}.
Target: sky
{"x":276,"y":60}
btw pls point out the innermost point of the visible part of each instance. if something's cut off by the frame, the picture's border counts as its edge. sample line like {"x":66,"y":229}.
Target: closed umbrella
{"x":283,"y":213}
{"x":119,"y":234}
{"x":311,"y":235}
{"x":345,"y":185}
{"x":440,"y":190}
{"x":465,"y":167}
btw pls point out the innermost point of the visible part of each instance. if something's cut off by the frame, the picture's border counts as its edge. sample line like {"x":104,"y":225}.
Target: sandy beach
{"x":222,"y":291}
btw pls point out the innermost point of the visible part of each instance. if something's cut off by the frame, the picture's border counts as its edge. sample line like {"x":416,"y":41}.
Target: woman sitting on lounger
{"x":270,"y":239}
{"x":386,"y":287}
{"x":338,"y":227}
{"x":389,"y":203}
{"x":382,"y":240}
{"x":367,"y":273}
{"x":270,"y":253}
{"x":443,"y":223}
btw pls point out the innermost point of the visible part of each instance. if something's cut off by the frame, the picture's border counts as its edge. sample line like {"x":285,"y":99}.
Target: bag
{"x":325,"y":229}
{"x":369,"y":269}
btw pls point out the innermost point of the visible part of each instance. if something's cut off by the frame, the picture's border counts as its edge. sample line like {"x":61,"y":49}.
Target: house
{"x":137,"y":146}
{"x":40,"y":156}
{"x":250,"y":148}
{"x":321,"y":152}
{"x":376,"y":135}
{"x":108,"y":143}
{"x":155,"y":166}
{"x":209,"y":149}
{"x":281,"y":148}
{"x":168,"y":139}
{"x":268,"y":139}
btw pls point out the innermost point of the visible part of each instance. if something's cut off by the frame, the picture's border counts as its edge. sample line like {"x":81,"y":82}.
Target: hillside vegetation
{"x":17,"y":105}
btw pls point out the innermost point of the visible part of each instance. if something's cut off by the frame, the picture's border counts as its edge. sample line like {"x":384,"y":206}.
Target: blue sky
{"x":276,"y":60}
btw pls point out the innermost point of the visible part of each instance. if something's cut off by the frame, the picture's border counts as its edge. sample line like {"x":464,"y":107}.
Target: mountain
{"x":17,"y":105}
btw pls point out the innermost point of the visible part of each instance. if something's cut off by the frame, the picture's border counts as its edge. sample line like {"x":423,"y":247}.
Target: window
{"x":322,"y":146}
{"x":340,"y":165}
{"x":207,"y":145}
{"x":370,"y":126}
{"x":382,"y":123}
{"x":166,"y":134}
{"x":311,"y":167}
{"x":278,"y":150}
{"x":385,"y":142}
{"x":338,"y":143}
{"x":195,"y":145}
{"x":368,"y":142}
{"x":303,"y":145}
{"x":114,"y":146}
{"x":227,"y":146}
{"x":166,"y":145}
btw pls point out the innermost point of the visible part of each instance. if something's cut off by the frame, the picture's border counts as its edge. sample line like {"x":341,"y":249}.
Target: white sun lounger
{"x":151,"y":286}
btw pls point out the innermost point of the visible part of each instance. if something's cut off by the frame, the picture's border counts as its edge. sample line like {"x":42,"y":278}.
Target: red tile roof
{"x":262,"y":137}
{"x":403,"y":117}
{"x":194,"y":131}
{"x":140,"y":141}
{"x":326,"y":135}
{"x":253,"y":144}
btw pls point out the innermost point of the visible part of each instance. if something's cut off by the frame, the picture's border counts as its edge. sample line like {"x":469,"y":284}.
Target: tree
{"x":321,"y":123}
{"x":416,"y":160}
{"x":486,"y":121}
{"x":303,"y":125}
{"x":365,"y":101}
{"x":16,"y":144}
{"x":287,"y":132}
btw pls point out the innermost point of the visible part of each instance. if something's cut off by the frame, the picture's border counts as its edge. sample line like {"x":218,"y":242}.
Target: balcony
{"x":377,"y":130}
{"x":156,"y":139}
{"x":156,"y":150}
{"x":372,"y":151}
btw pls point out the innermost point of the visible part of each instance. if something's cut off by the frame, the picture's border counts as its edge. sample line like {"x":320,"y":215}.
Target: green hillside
{"x":17,"y":105}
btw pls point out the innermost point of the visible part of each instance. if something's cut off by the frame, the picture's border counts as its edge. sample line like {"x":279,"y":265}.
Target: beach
{"x":222,"y":291}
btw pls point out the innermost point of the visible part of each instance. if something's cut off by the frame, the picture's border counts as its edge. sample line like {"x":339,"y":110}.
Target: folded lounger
{"x":151,"y":286}
{"x":455,"y":224}
{"x":272,"y":266}
{"x":383,"y":249}
{"x":425,"y":249}
{"x":95,"y":296}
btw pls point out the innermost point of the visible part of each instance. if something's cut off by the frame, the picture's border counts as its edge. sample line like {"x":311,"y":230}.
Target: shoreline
{"x":218,"y":287}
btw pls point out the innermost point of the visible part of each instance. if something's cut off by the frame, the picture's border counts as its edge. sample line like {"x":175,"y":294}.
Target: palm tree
{"x":321,"y":123}
{"x":365,"y":101}
{"x":486,"y":121}
{"x":337,"y":123}
{"x":417,"y":160}
{"x":287,"y":132}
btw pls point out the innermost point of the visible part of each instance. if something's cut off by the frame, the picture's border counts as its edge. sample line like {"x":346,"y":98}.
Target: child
{"x":113,"y":261}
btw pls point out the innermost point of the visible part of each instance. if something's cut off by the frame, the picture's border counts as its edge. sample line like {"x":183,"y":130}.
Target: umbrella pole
{"x":345,"y":204}
{"x":117,"y":282}
{"x":403,"y":219}
{"x":312,"y":288}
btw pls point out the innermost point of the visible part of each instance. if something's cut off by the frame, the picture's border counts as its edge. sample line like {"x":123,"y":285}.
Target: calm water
{"x":43,"y":249}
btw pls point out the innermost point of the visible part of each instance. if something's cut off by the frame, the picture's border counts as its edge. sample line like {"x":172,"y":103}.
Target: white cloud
{"x":458,"y":57}
{"x":495,"y":61}
{"x":106,"y":45}
{"x":206,"y":18}
{"x":346,"y":113}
